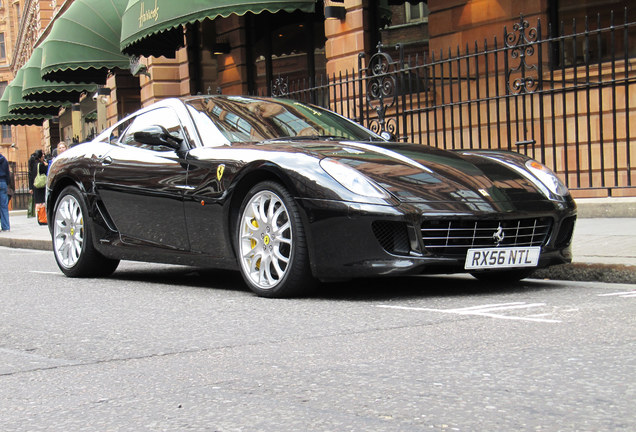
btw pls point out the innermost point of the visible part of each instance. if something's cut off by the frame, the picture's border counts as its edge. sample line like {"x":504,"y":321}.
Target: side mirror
{"x":388,"y":136}
{"x":158,"y":136}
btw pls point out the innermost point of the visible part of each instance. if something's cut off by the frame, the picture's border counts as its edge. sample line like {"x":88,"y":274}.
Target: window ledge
{"x":411,"y":24}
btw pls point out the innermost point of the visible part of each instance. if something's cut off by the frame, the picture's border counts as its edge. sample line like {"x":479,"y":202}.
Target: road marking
{"x":495,"y":305}
{"x":504,"y":306}
{"x":483,"y":310}
{"x":625,"y":294}
{"x":44,"y":272}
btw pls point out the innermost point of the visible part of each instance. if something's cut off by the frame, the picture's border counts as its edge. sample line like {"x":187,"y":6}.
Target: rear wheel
{"x":72,"y":245}
{"x":271,"y":244}
{"x":502,"y":276}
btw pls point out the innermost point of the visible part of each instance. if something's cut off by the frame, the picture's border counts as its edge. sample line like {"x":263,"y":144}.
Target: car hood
{"x":429,"y":177}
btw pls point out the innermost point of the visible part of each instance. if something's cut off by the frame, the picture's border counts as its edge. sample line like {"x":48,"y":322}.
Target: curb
{"x":44,"y":245}
{"x":607,"y":273}
{"x":621,"y":207}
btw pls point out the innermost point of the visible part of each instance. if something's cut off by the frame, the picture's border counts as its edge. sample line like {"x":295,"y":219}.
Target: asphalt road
{"x":164,"y":348}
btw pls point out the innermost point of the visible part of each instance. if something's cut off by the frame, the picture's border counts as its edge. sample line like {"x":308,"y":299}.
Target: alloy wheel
{"x":68,"y":231}
{"x":265,"y":240}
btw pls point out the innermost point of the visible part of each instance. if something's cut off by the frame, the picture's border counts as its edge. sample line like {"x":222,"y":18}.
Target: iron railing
{"x":567,"y":100}
{"x":20,"y":174}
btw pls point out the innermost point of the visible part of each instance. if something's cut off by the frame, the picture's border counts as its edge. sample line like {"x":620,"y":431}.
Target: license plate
{"x":503,"y":257}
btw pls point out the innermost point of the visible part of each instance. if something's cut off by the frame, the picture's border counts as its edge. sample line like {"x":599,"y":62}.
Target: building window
{"x":3,"y":52}
{"x":407,"y":25}
{"x":594,"y":46}
{"x":416,"y":12}
{"x":6,"y":132}
{"x":289,"y":46}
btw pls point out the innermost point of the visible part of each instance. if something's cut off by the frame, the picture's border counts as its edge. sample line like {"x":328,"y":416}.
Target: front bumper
{"x":344,"y":241}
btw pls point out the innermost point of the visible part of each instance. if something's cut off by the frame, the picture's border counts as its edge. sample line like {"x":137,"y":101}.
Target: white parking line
{"x":489,"y":308}
{"x":44,"y":272}
{"x":496,"y":305}
{"x":483,"y":310}
{"x":619,"y":294}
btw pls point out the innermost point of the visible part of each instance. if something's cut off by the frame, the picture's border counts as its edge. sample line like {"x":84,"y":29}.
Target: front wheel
{"x":271,"y":244}
{"x":72,"y":245}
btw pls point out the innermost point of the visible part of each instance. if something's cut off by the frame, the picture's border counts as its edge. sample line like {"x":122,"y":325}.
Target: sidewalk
{"x":604,"y":243}
{"x":26,"y":233}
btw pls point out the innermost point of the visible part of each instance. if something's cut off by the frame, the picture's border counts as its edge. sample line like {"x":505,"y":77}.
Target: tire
{"x":271,"y":244}
{"x":73,"y":248}
{"x":502,"y":276}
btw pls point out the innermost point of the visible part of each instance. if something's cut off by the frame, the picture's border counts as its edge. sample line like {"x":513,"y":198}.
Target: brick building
{"x":153,"y":52}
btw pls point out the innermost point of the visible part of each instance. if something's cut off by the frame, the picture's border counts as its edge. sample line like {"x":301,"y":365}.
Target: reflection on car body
{"x":291,"y":194}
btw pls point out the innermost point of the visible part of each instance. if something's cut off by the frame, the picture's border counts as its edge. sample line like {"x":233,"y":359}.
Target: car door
{"x":211,"y":167}
{"x":141,"y":185}
{"x":204,"y":202}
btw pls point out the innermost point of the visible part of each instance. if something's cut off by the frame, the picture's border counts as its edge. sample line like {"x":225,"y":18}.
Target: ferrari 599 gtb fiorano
{"x":291,"y":194}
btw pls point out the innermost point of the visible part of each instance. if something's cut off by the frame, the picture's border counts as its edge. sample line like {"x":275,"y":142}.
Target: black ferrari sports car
{"x":291,"y":194}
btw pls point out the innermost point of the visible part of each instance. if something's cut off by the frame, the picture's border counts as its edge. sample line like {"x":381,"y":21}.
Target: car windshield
{"x":232,"y":119}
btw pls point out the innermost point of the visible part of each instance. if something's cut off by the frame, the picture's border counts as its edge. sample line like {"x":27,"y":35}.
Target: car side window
{"x":118,"y":131}
{"x":164,"y":117}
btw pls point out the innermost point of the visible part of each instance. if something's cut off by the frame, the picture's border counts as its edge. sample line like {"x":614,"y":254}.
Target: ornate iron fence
{"x":568,"y":100}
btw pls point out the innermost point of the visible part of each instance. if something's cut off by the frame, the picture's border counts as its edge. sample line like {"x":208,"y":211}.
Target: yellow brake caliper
{"x":253,"y":243}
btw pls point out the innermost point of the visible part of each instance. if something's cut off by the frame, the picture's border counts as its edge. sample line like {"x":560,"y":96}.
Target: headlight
{"x":352,"y":179}
{"x":547,"y":177}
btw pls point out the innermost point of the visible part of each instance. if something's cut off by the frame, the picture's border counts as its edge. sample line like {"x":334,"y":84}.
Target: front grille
{"x":455,"y":237}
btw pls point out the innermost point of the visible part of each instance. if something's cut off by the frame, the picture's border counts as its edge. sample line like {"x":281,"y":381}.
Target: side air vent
{"x":393,"y":236}
{"x":565,"y":232}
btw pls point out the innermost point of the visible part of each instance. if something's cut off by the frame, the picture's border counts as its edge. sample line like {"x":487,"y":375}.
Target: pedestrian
{"x":5,"y":180}
{"x":61,"y":148}
{"x":38,"y":167}
{"x":31,"y":168}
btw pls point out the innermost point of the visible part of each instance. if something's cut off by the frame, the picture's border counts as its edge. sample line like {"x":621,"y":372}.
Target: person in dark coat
{"x":5,"y":180}
{"x":37,"y":165}
{"x":32,"y":166}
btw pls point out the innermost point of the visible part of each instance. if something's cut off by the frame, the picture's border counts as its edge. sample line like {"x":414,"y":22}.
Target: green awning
{"x":384,"y":8}
{"x":153,"y":27}
{"x":35,"y":88}
{"x":83,"y":45}
{"x":17,"y":105}
{"x":17,"y":119}
{"x":91,"y":117}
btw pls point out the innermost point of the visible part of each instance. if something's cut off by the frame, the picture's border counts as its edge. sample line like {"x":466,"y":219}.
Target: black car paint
{"x":184,"y":210}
